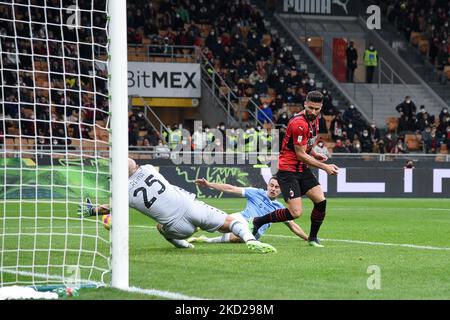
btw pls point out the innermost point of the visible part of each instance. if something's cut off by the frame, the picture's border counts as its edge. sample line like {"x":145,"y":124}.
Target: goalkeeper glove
{"x":86,"y":210}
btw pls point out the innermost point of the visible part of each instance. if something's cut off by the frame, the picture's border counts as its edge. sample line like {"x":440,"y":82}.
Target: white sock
{"x":239,"y":230}
{"x":180,"y":243}
{"x":223,"y":239}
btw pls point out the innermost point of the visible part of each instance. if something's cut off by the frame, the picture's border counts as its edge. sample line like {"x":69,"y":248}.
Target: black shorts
{"x":296,"y":184}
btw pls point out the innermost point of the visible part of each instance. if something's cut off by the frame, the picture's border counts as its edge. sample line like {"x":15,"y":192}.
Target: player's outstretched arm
{"x":88,"y":209}
{"x":296,"y":229}
{"x":319,"y":156}
{"x":300,"y":152}
{"x":222,"y":187}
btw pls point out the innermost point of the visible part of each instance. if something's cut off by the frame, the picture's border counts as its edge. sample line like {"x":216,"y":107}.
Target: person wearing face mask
{"x":443,"y":125}
{"x":351,"y":131}
{"x":406,"y":108}
{"x":400,"y":147}
{"x":283,"y":120}
{"x":261,"y":87}
{"x":356,"y":145}
{"x":443,"y":114}
{"x":389,"y":143}
{"x":265,"y":114}
{"x":321,"y":148}
{"x":366,"y":142}
{"x":374,"y":133}
{"x":371,"y":62}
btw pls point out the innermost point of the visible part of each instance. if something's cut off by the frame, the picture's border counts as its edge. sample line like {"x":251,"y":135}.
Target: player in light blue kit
{"x":259,"y":203}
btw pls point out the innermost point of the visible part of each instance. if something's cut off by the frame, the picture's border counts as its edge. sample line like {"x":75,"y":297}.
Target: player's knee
{"x":227,"y":224}
{"x":296,"y":212}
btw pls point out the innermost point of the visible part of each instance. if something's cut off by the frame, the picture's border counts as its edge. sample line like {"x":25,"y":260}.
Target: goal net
{"x":54,"y":137}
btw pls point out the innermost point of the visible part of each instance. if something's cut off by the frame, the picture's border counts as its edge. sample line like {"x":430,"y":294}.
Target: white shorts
{"x":198,"y":215}
{"x":238,"y":216}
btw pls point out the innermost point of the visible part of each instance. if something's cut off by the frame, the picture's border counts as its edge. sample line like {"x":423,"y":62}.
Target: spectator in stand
{"x":424,"y":113}
{"x":352,"y":61}
{"x":400,"y":147}
{"x":265,"y":114}
{"x":406,"y":108}
{"x":283,"y":120}
{"x":349,"y":114}
{"x":389,"y":143}
{"x":152,"y":136}
{"x":435,"y":142}
{"x":356,"y":145}
{"x":423,"y":119}
{"x":405,"y":124}
{"x":409,"y":165}
{"x":339,"y":147}
{"x":349,"y":145}
{"x":447,"y":138}
{"x":366,"y":142}
{"x":351,"y":131}
{"x":443,"y":125}
{"x":321,"y":148}
{"x":426,"y":139}
{"x":443,"y":114}
{"x":261,"y":87}
{"x":374,"y":132}
{"x":328,"y":108}
{"x":337,"y":127}
{"x":322,"y":124}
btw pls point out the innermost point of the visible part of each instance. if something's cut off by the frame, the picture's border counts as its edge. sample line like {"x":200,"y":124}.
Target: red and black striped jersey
{"x":300,"y":132}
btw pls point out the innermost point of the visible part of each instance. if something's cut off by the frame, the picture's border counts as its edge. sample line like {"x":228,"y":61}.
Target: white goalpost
{"x":119,"y":126}
{"x":63,"y":139}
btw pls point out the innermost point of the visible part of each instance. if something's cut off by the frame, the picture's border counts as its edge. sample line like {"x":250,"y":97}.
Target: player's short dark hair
{"x":273,"y":178}
{"x":315,"y":96}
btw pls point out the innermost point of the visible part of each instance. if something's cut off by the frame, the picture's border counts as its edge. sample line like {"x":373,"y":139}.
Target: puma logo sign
{"x":341,"y":4}
{"x":315,"y":6}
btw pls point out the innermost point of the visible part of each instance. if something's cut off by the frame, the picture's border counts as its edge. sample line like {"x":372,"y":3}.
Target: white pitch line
{"x":369,"y":243}
{"x":344,"y":240}
{"x":334,"y":208}
{"x":163,"y":294}
{"x":406,"y":245}
{"x":149,"y":292}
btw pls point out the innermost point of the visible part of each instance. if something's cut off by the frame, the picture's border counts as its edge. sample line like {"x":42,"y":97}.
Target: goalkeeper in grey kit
{"x":177,"y":211}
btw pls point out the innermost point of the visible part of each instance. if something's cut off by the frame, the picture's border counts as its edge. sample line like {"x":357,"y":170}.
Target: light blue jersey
{"x":258,"y":205}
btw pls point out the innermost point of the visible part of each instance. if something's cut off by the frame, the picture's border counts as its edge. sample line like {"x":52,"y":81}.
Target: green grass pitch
{"x":406,"y":239}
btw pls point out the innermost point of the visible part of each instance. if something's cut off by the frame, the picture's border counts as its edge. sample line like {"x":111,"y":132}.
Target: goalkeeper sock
{"x":240,"y":230}
{"x":180,"y":243}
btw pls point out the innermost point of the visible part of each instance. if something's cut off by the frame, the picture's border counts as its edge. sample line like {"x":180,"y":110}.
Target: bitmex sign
{"x":321,"y":7}
{"x":174,"y":80}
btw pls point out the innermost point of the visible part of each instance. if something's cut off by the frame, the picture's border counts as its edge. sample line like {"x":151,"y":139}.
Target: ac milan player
{"x":294,"y":176}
